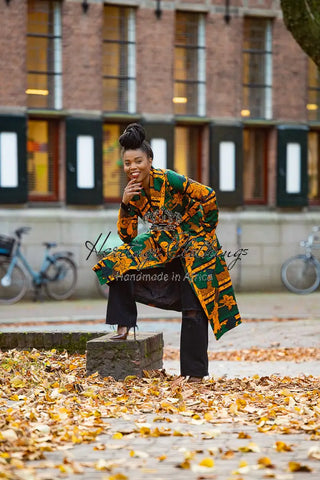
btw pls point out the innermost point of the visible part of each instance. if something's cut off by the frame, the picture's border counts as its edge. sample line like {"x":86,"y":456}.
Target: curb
{"x":72,"y":342}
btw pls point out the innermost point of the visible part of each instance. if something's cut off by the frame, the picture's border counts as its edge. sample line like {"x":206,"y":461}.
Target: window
{"x":119,"y":63}
{"x":189,"y":65}
{"x":114,"y":179}
{"x":42,"y":149}
{"x":44,"y":64}
{"x":313,"y":105}
{"x":257,"y":69}
{"x":314,"y":166}
{"x":187,"y":152}
{"x":255,"y":165}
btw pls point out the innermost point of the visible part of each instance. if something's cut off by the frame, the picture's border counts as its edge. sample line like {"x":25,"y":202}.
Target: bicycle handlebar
{"x":313,"y":240}
{"x":20,"y":231}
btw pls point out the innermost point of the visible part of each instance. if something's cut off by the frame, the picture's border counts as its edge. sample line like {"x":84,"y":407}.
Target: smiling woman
{"x":180,"y":251}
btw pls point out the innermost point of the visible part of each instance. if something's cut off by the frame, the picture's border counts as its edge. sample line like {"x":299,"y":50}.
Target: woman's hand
{"x":133,"y":188}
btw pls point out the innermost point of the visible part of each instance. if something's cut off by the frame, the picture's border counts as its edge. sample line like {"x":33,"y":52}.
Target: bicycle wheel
{"x":14,"y":288}
{"x":103,"y":289}
{"x":301,"y":274}
{"x":61,"y":278}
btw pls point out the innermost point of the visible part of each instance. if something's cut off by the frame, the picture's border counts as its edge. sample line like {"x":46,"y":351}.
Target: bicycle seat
{"x":49,"y":244}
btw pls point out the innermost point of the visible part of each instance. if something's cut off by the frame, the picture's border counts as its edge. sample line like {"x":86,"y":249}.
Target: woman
{"x":178,"y":264}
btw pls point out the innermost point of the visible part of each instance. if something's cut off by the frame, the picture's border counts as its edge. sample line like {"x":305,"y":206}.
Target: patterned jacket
{"x":183,"y":216}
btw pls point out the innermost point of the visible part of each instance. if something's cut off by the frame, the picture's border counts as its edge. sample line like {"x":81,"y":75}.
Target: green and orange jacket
{"x":183,"y":217}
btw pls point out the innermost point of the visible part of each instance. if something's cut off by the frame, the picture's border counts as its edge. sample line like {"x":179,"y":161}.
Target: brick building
{"x":225,"y":94}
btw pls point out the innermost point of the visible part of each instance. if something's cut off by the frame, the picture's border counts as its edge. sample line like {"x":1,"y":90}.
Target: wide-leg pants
{"x":164,"y":287}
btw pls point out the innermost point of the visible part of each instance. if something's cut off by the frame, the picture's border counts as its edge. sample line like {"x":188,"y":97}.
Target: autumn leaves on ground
{"x":48,"y":404}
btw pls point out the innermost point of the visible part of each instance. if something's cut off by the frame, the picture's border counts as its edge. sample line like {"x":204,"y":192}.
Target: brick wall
{"x":263,"y":4}
{"x":13,"y":79}
{"x":82,"y":56}
{"x":289,"y":76}
{"x":155,"y":51}
{"x":224,"y":75}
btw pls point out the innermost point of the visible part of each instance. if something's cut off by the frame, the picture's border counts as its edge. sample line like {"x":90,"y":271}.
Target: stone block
{"x":118,"y":359}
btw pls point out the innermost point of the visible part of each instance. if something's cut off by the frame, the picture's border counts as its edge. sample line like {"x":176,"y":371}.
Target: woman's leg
{"x":194,"y":335}
{"x":121,"y":309}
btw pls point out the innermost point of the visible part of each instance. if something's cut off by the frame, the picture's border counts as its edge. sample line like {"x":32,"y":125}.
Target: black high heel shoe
{"x":122,"y":333}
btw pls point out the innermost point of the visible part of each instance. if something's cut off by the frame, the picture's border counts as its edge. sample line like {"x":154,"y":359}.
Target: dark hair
{"x":133,"y":138}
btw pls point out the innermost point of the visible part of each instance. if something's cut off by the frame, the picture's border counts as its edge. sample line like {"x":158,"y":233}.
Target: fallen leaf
{"x":244,"y":435}
{"x":282,"y":447}
{"x":314,"y":453}
{"x":297,"y":467}
{"x":251,"y":447}
{"x":265,"y":462}
{"x":207,"y":462}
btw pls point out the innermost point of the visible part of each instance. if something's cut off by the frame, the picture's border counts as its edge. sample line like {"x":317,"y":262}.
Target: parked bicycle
{"x":58,"y":272}
{"x":301,"y":273}
{"x":103,"y":289}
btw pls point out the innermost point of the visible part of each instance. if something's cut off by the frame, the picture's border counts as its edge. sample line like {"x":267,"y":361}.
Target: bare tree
{"x":302,"y":19}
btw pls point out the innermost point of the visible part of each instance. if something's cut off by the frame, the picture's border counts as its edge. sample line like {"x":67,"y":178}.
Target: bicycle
{"x":301,"y":273}
{"x":103,"y":290}
{"x":58,"y":272}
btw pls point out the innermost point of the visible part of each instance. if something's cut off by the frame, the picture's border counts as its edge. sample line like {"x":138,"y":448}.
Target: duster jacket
{"x":183,"y":216}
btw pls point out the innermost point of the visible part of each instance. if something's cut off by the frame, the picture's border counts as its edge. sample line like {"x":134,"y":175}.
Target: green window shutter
{"x":226,"y":160}
{"x":84,"y":161}
{"x":13,"y":159}
{"x":292,"y":166}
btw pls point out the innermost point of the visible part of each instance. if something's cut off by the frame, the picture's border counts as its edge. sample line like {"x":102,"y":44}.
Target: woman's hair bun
{"x":132,"y":137}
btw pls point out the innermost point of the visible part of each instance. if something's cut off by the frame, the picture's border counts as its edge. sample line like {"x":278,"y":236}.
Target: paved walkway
{"x":301,"y":329}
{"x":252,"y":305}
{"x":282,"y":320}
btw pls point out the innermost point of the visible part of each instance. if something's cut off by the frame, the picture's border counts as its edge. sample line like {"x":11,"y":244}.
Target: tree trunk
{"x":302,"y":19}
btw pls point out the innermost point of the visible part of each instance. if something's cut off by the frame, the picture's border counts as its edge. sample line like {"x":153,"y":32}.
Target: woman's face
{"x":137,"y":165}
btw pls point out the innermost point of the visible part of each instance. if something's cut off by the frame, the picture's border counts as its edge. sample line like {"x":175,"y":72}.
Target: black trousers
{"x":164,"y":287}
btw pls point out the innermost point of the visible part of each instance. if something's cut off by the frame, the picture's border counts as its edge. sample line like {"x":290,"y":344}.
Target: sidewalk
{"x":251,"y":305}
{"x":282,"y":320}
{"x":217,"y":435}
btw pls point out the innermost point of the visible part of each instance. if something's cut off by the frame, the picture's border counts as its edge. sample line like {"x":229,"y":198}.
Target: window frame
{"x":54,"y":102}
{"x":310,"y":89}
{"x":114,"y":199}
{"x":264,"y":200}
{"x":199,"y":148}
{"x":200,"y":47}
{"x":54,"y":197}
{"x":316,"y":201}
{"x":130,"y":42}
{"x":267,"y":86}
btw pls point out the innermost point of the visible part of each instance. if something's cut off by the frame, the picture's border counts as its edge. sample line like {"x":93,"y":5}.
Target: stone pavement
{"x":251,"y":305}
{"x":301,"y":330}
{"x":137,"y":457}
{"x":162,"y":458}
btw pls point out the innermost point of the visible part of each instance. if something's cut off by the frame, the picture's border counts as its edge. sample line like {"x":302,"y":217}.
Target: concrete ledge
{"x":119,"y":359}
{"x":73,"y":342}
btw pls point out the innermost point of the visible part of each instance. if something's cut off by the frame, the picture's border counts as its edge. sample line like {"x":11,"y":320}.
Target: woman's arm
{"x":127,"y":224}
{"x":127,"y":218}
{"x":204,"y":195}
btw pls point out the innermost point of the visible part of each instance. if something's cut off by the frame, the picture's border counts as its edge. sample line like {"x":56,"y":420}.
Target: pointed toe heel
{"x":122,"y":334}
